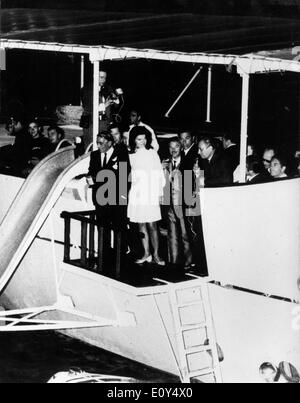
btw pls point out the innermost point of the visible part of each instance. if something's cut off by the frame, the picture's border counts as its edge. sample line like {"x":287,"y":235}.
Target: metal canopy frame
{"x":251,"y":63}
{"x":246,"y":65}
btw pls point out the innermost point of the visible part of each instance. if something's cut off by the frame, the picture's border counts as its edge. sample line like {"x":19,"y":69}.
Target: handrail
{"x":88,"y":260}
{"x":80,"y":216}
{"x":64,"y":141}
{"x":15,"y":243}
{"x":89,"y":148}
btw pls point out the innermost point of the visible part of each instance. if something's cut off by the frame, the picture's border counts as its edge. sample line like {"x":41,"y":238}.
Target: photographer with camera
{"x":110,"y":104}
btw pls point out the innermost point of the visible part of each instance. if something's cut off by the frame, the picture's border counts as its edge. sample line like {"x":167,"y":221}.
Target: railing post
{"x":118,"y":249}
{"x":92,"y":239}
{"x":67,"y":239}
{"x":100,"y":248}
{"x":84,"y":231}
{"x":244,"y":127}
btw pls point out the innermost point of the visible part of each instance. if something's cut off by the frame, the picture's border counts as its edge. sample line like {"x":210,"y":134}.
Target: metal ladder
{"x":195,"y":333}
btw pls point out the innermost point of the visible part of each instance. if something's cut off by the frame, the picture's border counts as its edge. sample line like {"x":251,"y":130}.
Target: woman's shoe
{"x":144,"y":260}
{"x":159,"y":262}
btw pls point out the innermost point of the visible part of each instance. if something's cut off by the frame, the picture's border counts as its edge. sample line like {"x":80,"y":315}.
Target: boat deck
{"x":146,"y":275}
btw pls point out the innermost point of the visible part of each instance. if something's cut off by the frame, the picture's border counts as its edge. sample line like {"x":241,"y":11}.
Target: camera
{"x":115,"y":96}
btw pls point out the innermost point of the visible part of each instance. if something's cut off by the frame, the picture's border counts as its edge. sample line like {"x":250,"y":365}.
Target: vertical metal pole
{"x":2,"y":69}
{"x":82,"y":60}
{"x":100,"y":249}
{"x":67,"y":239}
{"x":84,"y":232}
{"x":92,"y":238}
{"x":208,"y":115}
{"x":96,"y":103}
{"x":244,"y":127}
{"x":118,"y":249}
{"x":299,"y":116}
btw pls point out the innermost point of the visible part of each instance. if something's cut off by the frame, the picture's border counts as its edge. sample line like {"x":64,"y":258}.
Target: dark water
{"x":36,"y":357}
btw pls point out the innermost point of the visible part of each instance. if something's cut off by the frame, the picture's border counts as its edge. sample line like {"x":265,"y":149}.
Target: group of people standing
{"x":156,"y":190}
{"x":167,"y":188}
{"x":127,"y":186}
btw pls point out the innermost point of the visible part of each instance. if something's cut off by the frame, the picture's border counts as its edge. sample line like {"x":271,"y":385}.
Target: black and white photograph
{"x":149,"y":194}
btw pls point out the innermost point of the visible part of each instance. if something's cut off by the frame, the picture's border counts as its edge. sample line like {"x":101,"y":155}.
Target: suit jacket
{"x":190,"y":158}
{"x":113,"y":165}
{"x":218,"y":171}
{"x":176,"y":189}
{"x":261,"y":178}
{"x":233,"y":154}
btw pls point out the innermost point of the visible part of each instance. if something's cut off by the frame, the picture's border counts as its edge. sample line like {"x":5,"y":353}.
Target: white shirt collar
{"x":209,"y":159}
{"x":177,"y":160}
{"x":250,"y":178}
{"x":186,"y":151}
{"x":108,"y":154}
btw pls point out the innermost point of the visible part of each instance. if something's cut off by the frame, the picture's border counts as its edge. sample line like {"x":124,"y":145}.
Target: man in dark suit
{"x":178,"y":238}
{"x":231,"y":150}
{"x":109,"y":194}
{"x":108,"y":175}
{"x":256,"y":173}
{"x":218,"y":170}
{"x":189,"y":149}
{"x":119,"y":141}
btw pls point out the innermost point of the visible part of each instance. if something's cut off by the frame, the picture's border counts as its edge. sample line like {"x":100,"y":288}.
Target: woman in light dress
{"x":146,"y":191}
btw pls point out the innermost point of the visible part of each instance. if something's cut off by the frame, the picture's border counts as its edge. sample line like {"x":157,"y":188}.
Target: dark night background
{"x":39,"y":81}
{"x":280,"y":8}
{"x":35,"y":83}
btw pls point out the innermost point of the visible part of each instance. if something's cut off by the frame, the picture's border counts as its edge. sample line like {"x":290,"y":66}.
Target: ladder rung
{"x":203,"y":372}
{"x":199,"y":349}
{"x":194,"y":326}
{"x":195,"y":303}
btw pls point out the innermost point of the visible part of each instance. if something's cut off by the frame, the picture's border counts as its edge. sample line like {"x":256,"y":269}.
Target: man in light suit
{"x":178,"y":239}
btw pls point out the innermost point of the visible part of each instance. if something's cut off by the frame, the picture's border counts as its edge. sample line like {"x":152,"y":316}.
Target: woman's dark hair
{"x":139,"y":131}
{"x":255,"y":164}
{"x":282,"y":159}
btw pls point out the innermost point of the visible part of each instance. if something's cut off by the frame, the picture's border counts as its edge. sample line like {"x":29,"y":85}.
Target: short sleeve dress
{"x":148,"y":181}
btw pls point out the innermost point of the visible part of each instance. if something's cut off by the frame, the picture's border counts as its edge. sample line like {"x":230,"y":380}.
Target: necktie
{"x":104,"y":160}
{"x":174,"y":165}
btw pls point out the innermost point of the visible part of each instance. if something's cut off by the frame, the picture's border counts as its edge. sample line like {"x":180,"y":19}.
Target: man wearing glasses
{"x":218,"y":171}
{"x":217,"y":168}
{"x":268,"y":154}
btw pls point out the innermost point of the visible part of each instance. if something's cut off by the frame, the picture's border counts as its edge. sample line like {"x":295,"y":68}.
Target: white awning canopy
{"x":246,"y":64}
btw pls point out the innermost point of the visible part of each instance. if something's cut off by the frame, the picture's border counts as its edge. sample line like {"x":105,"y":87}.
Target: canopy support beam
{"x":96,"y":83}
{"x":167,"y":115}
{"x":208,"y":111}
{"x":244,"y":127}
{"x":82,"y":73}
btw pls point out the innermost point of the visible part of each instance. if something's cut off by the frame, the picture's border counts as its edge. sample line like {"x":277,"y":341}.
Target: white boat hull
{"x":251,"y":329}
